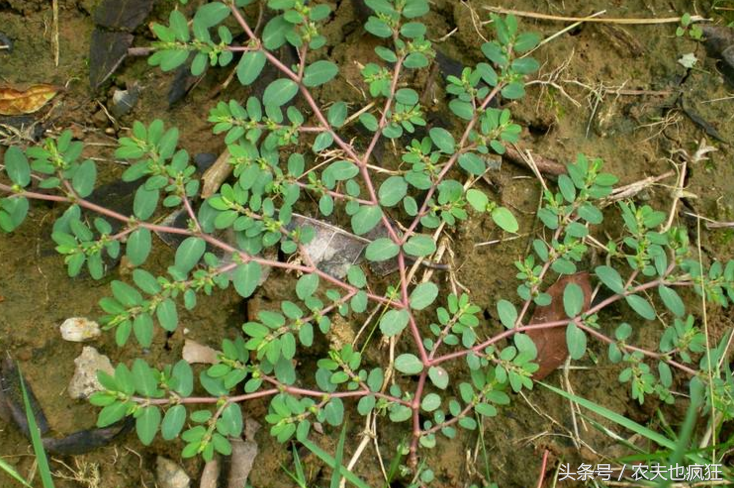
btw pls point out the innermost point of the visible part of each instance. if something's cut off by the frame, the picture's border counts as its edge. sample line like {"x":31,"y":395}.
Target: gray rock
{"x":243,"y":458}
{"x":85,"y":382}
{"x":170,"y":474}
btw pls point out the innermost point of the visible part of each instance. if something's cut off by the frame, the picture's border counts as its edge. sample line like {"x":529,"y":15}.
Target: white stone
{"x":195,"y":353}
{"x":85,"y":381}
{"x":79,"y":329}
{"x":170,"y":474}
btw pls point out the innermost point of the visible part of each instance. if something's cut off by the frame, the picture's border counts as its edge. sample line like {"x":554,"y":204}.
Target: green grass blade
{"x":325,"y":457}
{"x":297,"y":474}
{"x":392,"y":470}
{"x":616,"y":418}
{"x":684,"y":437}
{"x":336,"y":475}
{"x":13,"y":473}
{"x":299,"y":468}
{"x":41,"y":459}
{"x":619,"y":419}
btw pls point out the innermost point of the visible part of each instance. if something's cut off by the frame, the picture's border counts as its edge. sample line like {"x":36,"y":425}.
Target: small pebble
{"x":79,"y":329}
{"x":123,"y":101}
{"x":85,"y":382}
{"x":170,"y":474}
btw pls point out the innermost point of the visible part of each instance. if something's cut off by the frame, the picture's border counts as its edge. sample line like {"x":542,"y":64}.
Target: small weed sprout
{"x":273,"y":142}
{"x":688,"y":27}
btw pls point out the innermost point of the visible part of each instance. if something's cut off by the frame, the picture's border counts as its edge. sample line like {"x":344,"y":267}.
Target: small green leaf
{"x":184,"y":377}
{"x":443,"y":140}
{"x":275,"y":31}
{"x":610,"y":277}
{"x":145,"y":202}
{"x":369,"y":121}
{"x":641,"y":306}
{"x":111,"y":414}
{"x":504,"y":219}
{"x":319,"y":73}
{"x":189,"y":253}
{"x":232,"y":420}
{"x":17,"y":167}
{"x":250,"y":66}
{"x":393,"y":322}
{"x":576,"y":341}
{"x":420,"y":245}
{"x":672,"y":300}
{"x":507,"y":313}
{"x":392,"y":191}
{"x":431,"y":402}
{"x":337,"y":114}
{"x":408,"y":364}
{"x":146,"y":424}
{"x":366,"y":404}
{"x":211,"y":14}
{"x":513,"y":91}
{"x":423,"y":295}
{"x":573,"y":300}
{"x":84,"y":178}
{"x":366,"y":218}
{"x":381,"y":249}
{"x":439,"y":377}
{"x":526,"y":41}
{"x":246,"y":278}
{"x":280,"y":92}
{"x":138,"y":246}
{"x":143,"y":329}
{"x":173,"y":422}
{"x":342,"y":170}
{"x":167,"y":314}
{"x":307,"y":285}
{"x":144,"y":379}
{"x":477,"y":199}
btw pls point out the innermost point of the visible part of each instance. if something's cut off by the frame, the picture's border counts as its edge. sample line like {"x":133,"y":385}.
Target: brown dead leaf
{"x":18,"y":102}
{"x":551,"y":343}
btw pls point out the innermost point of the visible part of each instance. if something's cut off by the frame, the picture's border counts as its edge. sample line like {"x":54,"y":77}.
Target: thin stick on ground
{"x":610,"y":20}
{"x":55,"y":7}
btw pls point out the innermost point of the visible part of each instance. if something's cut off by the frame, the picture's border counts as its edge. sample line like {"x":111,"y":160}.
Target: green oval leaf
{"x":17,"y":167}
{"x":381,"y":249}
{"x":611,"y":278}
{"x":319,"y":73}
{"x":641,"y":306}
{"x":576,"y":341}
{"x":146,"y":424}
{"x":393,"y":322}
{"x":84,"y":178}
{"x":672,"y":300}
{"x":573,"y":300}
{"x":250,"y":66}
{"x":246,"y":278}
{"x":366,"y":218}
{"x":423,"y":295}
{"x":408,"y":364}
{"x":173,"y":422}
{"x":189,"y":253}
{"x":280,"y":92}
{"x":420,"y":245}
{"x":504,"y":219}
{"x":507,"y":312}
{"x":439,"y":377}
{"x":138,"y":246}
